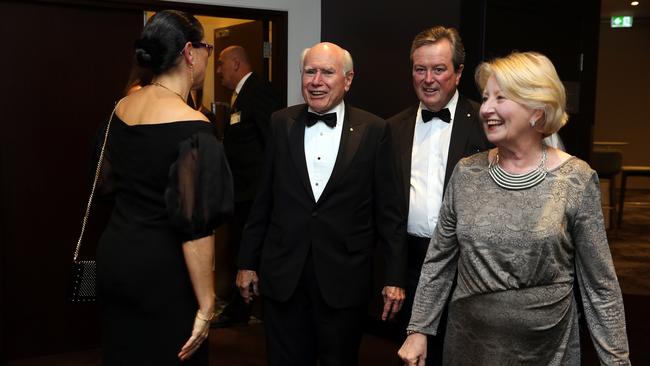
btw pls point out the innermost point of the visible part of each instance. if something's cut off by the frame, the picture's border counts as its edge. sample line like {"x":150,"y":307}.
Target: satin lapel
{"x":405,"y":141}
{"x":297,"y":148}
{"x":459,"y":135}
{"x":351,"y":136}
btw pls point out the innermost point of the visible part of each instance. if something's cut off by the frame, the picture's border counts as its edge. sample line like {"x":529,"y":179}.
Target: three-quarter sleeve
{"x":439,"y":268}
{"x":199,"y":196}
{"x":601,"y":294}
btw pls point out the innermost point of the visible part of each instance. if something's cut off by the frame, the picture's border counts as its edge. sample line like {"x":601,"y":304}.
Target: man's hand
{"x":393,"y":299}
{"x":414,"y":350}
{"x":247,"y":284}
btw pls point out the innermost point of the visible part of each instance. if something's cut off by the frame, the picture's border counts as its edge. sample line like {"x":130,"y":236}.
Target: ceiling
{"x":623,"y":7}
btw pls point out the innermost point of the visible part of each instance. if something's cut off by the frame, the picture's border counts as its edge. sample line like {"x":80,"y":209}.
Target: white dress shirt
{"x":241,"y":82}
{"x":235,"y":93}
{"x":321,"y":149}
{"x":428,"y":167}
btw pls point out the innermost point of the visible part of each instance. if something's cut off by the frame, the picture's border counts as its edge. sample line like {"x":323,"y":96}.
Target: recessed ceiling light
{"x":634,"y":3}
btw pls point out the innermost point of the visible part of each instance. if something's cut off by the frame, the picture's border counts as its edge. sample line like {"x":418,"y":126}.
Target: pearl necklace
{"x":518,"y":181}
{"x":162,"y":86}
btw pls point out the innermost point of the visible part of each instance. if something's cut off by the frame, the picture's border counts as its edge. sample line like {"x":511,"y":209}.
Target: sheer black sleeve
{"x":199,"y":196}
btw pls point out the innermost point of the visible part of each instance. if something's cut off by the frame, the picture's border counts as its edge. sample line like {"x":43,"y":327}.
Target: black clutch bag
{"x":81,"y":285}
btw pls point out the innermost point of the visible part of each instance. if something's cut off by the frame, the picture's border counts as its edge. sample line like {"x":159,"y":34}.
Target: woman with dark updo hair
{"x":172,"y":188}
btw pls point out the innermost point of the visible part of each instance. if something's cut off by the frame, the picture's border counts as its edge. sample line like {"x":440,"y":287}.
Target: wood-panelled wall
{"x":378,"y":34}
{"x":63,"y":68}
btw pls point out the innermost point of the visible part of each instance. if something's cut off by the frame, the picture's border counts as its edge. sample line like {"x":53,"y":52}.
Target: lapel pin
{"x":351,"y":129}
{"x":468,"y":115}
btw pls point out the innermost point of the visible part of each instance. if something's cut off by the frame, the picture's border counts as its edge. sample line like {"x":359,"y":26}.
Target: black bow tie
{"x":444,"y":115}
{"x":329,"y":119}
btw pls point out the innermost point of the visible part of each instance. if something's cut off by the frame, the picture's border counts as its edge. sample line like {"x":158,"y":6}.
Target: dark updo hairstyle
{"x":163,"y":39}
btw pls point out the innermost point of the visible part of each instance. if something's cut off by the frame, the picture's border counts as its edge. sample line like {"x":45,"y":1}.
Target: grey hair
{"x":348,"y":64}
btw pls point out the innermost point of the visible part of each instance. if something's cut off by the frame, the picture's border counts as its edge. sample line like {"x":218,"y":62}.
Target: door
{"x":251,"y":36}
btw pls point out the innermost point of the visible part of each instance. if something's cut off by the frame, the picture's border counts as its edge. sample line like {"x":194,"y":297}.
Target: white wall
{"x":304,"y":31}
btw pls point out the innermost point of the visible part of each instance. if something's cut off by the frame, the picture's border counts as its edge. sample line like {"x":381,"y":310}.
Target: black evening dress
{"x":171,"y":184}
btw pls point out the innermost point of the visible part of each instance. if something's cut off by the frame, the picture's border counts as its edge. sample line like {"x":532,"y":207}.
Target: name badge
{"x":235,"y":118}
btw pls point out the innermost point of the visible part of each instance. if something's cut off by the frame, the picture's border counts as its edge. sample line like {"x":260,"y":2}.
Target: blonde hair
{"x":530,"y":79}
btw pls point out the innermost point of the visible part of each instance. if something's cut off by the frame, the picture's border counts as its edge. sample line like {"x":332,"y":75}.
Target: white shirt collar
{"x":241,"y":82}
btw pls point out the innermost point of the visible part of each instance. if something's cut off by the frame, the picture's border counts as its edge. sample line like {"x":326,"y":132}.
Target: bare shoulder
{"x":556,"y":157}
{"x":143,"y":107}
{"x":191,"y":114}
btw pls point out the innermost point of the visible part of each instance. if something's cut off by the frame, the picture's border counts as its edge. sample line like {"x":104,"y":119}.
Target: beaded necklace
{"x":518,"y":181}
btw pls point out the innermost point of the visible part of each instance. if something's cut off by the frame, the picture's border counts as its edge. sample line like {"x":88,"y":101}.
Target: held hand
{"x":414,"y":350}
{"x":393,"y":299}
{"x":200,"y":333}
{"x":247,"y":283}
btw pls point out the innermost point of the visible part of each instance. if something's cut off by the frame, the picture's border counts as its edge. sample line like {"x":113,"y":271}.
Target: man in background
{"x":245,"y":137}
{"x":430,"y":137}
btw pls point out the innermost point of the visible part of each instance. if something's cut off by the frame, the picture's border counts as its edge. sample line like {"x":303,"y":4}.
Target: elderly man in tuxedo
{"x":329,"y":194}
{"x":430,"y":137}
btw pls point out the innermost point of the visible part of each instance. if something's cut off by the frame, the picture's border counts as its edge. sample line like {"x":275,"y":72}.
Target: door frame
{"x":279,"y":20}
{"x":81,"y":332}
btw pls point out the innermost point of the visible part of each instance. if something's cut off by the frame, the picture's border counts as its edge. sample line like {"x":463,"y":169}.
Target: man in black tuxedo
{"x":430,"y":138}
{"x":328,"y":196}
{"x":253,"y":101}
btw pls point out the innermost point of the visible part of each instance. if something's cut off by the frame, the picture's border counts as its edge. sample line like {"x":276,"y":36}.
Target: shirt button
{"x":316,"y":184}
{"x":318,"y":158}
{"x":314,"y":214}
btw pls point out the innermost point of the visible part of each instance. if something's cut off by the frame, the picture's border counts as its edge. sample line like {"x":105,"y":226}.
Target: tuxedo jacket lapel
{"x":296,"y":135}
{"x":403,"y":136}
{"x":459,"y":135}
{"x":244,"y":94}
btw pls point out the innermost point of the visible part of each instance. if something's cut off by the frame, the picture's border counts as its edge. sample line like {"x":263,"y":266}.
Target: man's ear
{"x":459,"y":73}
{"x":348,"y":79}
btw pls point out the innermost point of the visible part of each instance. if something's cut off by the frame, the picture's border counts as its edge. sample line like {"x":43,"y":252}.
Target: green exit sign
{"x":621,"y":22}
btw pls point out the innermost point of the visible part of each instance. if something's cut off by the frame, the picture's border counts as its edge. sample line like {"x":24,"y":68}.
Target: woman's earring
{"x":191,"y":74}
{"x":533,"y":122}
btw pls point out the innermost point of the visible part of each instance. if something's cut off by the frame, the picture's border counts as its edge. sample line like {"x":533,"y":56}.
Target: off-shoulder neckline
{"x":207,"y":123}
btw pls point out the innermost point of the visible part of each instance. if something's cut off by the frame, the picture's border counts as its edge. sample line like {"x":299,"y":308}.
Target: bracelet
{"x":200,"y":318}
{"x":409,"y":332}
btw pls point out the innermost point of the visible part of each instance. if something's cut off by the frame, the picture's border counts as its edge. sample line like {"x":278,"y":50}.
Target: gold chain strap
{"x":92,"y":191}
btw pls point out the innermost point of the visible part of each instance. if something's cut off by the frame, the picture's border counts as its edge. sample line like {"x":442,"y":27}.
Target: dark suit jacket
{"x":245,"y":141}
{"x":359,"y":207}
{"x":467,"y":138}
